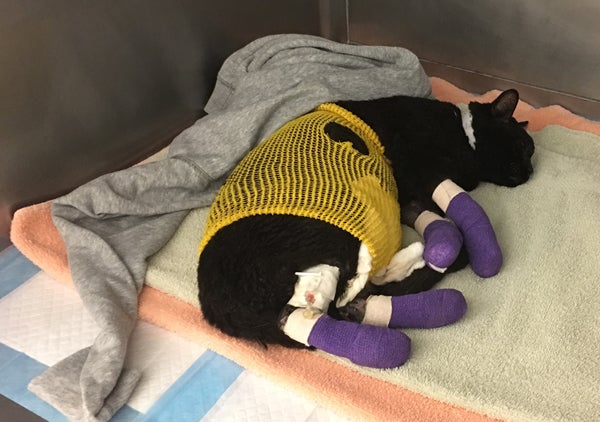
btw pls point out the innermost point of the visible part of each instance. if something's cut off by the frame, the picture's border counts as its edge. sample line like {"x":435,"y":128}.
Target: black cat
{"x":249,"y":270}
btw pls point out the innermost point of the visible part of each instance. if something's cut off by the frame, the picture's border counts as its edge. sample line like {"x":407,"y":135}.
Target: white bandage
{"x":445,"y":191}
{"x":299,"y":325}
{"x":402,"y":265}
{"x":424,"y":219}
{"x":378,"y":311}
{"x":315,"y":288}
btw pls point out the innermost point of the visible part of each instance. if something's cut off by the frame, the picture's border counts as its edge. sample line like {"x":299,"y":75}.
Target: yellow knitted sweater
{"x":300,"y":170}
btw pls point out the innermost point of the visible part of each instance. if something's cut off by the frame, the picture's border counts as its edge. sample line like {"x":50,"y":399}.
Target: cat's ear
{"x":504,"y":106}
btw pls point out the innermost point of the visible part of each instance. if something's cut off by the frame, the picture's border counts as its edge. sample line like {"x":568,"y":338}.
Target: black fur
{"x":246,"y":272}
{"x":341,"y":133}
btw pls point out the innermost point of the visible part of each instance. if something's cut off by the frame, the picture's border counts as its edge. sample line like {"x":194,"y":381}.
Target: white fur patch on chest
{"x":467,"y":123}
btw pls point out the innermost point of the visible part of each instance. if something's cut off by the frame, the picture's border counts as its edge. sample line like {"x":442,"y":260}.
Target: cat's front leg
{"x":480,"y":240}
{"x":304,"y":320}
{"x":443,"y":241}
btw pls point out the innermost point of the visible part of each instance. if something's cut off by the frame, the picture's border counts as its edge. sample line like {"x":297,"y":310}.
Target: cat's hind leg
{"x":365,"y":345}
{"x":409,"y":303}
{"x":429,"y":309}
{"x":304,"y":320}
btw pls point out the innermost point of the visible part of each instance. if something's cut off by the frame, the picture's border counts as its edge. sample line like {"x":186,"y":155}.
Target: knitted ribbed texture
{"x":301,"y":171}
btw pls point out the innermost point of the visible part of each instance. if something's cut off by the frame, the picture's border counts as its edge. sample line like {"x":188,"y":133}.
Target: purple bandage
{"x":480,"y":240}
{"x":365,"y":345}
{"x":430,"y":309}
{"x":443,"y":242}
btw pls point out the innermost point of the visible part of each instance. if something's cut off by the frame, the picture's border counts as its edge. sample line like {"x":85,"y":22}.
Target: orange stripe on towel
{"x":538,"y":118}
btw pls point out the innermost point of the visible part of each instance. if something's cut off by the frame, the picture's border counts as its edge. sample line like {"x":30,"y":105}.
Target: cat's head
{"x":503,"y":147}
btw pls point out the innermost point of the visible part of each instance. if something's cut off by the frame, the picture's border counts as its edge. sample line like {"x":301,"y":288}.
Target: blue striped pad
{"x":188,"y":399}
{"x":196,"y":391}
{"x":15,"y":269}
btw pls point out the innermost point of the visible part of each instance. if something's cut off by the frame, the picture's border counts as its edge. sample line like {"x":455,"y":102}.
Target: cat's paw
{"x":443,"y":242}
{"x":354,"y":311}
